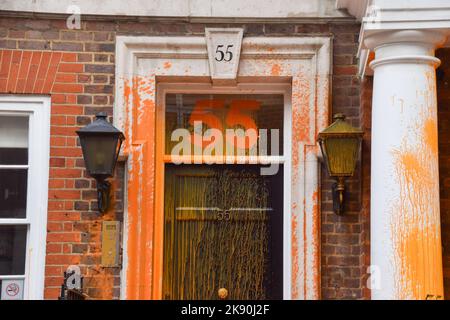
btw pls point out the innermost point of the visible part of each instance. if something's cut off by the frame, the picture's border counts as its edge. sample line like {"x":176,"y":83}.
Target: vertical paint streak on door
{"x":141,"y":118}
{"x":300,"y":135}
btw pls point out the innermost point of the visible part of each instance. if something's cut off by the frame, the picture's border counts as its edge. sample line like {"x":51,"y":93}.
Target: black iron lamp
{"x":101,"y":142}
{"x":340,"y":144}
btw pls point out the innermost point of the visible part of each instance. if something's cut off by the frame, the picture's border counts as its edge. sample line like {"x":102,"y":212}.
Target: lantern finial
{"x":101,"y":115}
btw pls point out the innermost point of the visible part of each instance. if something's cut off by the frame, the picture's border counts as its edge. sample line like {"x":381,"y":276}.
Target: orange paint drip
{"x":144,"y":228}
{"x":430,"y":135}
{"x":102,"y":280}
{"x":140,"y":128}
{"x":415,"y":218}
{"x":316,"y":244}
{"x":301,"y":135}
{"x":294,"y":255}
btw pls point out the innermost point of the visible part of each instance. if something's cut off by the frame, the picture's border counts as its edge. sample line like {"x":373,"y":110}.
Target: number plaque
{"x":224,"y":48}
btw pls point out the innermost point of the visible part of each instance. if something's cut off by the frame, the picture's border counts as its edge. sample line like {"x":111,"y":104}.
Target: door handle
{"x":222,"y":293}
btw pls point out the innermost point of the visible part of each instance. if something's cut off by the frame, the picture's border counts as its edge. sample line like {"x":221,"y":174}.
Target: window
{"x":255,"y":115}
{"x":24,"y":157}
{"x":221,"y":199}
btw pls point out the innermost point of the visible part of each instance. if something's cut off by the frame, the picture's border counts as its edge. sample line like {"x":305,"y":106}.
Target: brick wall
{"x":366,"y":125}
{"x":443,"y":94}
{"x":81,"y":83}
{"x":343,"y":239}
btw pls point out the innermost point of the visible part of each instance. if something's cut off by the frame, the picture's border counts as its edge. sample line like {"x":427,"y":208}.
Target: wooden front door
{"x":222,"y":229}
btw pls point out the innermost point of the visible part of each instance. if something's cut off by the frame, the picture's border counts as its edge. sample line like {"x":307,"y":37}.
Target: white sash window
{"x":24,"y":160}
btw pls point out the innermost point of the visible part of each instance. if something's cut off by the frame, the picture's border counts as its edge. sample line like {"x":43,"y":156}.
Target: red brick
{"x":57,"y":162}
{"x":63,"y":237}
{"x":69,"y":57}
{"x":53,"y":270}
{"x":65,"y":173}
{"x":70,"y":67}
{"x":63,"y":131}
{"x":56,"y":183}
{"x":58,"y":98}
{"x":64,"y":194}
{"x":62,"y":259}
{"x":42,"y":72}
{"x":23,"y":72}
{"x":63,"y":216}
{"x":65,"y":152}
{"x":54,"y":226}
{"x":345,"y":70}
{"x":66,"y":78}
{"x":67,"y":88}
{"x":54,"y":248}
{"x":67,"y":109}
{"x":54,"y":281}
{"x":55,"y":205}
{"x":52,"y":293}
{"x":14,"y":70}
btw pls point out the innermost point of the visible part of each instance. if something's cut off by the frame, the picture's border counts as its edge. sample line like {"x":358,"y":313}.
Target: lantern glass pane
{"x":342,"y":155}
{"x":99,"y":153}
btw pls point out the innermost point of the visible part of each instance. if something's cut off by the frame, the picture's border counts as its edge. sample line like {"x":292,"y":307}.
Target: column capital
{"x":433,"y":38}
{"x":405,"y":46}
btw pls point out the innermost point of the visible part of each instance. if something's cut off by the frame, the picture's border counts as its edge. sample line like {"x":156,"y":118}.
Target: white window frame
{"x":37,"y":108}
{"x":285,"y":159}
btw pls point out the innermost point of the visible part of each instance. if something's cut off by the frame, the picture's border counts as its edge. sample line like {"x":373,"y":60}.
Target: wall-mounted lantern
{"x":101,"y":142}
{"x":340,"y":144}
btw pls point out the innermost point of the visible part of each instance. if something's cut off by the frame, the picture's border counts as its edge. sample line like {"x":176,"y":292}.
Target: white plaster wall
{"x":185,"y":8}
{"x":412,"y":3}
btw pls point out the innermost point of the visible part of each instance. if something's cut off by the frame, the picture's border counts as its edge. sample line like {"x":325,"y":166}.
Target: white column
{"x":405,"y":224}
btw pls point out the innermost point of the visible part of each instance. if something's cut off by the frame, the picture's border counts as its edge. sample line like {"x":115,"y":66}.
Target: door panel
{"x":223,"y":229}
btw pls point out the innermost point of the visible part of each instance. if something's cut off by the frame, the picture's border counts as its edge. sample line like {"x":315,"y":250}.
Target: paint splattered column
{"x":405,"y":226}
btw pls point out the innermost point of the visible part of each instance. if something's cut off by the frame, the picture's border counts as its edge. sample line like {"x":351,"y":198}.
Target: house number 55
{"x":224,"y":56}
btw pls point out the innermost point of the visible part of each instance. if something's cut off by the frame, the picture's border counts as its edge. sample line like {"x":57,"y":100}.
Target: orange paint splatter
{"x":167,"y":65}
{"x":416,"y":218}
{"x":430,"y":135}
{"x":103,"y":282}
{"x":276,"y":70}
{"x":98,"y":277}
{"x":143,"y":256}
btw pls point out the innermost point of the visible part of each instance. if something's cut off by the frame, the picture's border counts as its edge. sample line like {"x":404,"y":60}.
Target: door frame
{"x":244,"y":88}
{"x":144,"y":62}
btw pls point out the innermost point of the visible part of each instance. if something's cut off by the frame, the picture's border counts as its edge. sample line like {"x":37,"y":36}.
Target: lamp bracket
{"x":103,"y":195}
{"x":338,"y":189}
